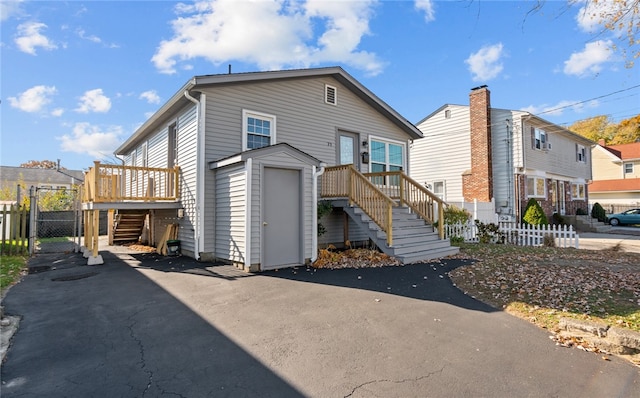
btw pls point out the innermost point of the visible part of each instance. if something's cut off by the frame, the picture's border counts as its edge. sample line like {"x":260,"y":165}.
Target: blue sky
{"x":78,"y":77}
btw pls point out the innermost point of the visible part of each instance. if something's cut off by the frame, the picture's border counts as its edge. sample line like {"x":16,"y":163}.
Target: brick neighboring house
{"x":479,"y":157}
{"x":616,"y":175}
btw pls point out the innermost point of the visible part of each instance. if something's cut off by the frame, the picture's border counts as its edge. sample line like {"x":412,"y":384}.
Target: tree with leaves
{"x":601,"y":127}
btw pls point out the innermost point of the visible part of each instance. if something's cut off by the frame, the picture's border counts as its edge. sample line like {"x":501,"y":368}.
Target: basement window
{"x":330,"y":95}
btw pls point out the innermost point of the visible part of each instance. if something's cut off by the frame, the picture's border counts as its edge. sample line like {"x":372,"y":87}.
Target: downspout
{"x":247,"y":229}
{"x":314,"y":211}
{"x":199,"y":177}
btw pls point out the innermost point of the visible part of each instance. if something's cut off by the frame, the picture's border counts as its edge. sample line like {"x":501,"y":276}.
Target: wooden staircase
{"x":414,"y":240}
{"x":128,"y":226}
{"x":396,"y":212}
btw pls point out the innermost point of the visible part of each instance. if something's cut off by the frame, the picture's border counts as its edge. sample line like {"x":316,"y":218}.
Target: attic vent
{"x":330,"y":95}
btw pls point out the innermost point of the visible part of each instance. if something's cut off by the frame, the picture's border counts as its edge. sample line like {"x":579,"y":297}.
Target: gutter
{"x":197,"y":234}
{"x":314,"y":211}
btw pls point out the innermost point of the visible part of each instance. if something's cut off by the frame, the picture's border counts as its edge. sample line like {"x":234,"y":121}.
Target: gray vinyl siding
{"x":230,"y":214}
{"x":560,"y":159}
{"x":501,"y":153}
{"x":186,"y":154}
{"x":303,"y":119}
{"x":445,"y":151}
{"x":280,"y":160}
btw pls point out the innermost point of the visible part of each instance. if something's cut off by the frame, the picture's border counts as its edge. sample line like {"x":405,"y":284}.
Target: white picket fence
{"x":519,"y":234}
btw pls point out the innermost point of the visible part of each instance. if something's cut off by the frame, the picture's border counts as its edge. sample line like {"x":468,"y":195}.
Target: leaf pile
{"x":352,"y":258}
{"x":544,"y":284}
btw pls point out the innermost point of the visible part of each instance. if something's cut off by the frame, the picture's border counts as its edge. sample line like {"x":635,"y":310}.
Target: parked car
{"x":626,"y":217}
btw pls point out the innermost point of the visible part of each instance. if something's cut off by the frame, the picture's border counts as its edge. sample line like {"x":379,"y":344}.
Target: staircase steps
{"x":586,"y":223}
{"x":128,"y":226}
{"x":413,"y":239}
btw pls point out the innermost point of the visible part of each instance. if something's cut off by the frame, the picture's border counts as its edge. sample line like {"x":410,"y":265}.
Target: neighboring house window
{"x":535,"y":187}
{"x":330,"y":95}
{"x":539,"y":139}
{"x":577,"y":192}
{"x":628,"y":168}
{"x":581,"y":153}
{"x":438,"y":189}
{"x":447,"y":114}
{"x":259,"y":130}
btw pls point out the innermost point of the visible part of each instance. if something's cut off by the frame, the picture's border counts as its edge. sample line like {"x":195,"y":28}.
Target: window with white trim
{"x":438,"y":189}
{"x":259,"y":130}
{"x":539,"y":139}
{"x":581,"y":154}
{"x":578,"y":192}
{"x":536,"y":187}
{"x":386,"y":156}
{"x":628,"y":168}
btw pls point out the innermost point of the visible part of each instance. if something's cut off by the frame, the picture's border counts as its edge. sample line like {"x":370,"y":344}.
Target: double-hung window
{"x":628,"y":168}
{"x":259,"y":130}
{"x":539,"y":139}
{"x":581,"y":153}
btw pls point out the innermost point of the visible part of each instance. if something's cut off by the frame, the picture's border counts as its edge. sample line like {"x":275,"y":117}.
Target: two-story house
{"x":237,"y":163}
{"x":616,"y":175}
{"x":479,"y":157}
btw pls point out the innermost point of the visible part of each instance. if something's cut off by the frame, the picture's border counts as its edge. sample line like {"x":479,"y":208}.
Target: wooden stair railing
{"x":345,"y":181}
{"x":408,"y":192}
{"x":376,"y":195}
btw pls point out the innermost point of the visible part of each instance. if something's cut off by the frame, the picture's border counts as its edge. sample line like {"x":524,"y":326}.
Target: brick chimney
{"x":477,"y":183}
{"x":601,"y":142}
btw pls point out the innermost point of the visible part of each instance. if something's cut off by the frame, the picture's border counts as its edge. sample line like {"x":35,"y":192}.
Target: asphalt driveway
{"x":145,"y":325}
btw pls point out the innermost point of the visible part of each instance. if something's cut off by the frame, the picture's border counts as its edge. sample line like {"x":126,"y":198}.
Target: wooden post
{"x":96,"y":232}
{"x":389,"y":224}
{"x":110,"y":225}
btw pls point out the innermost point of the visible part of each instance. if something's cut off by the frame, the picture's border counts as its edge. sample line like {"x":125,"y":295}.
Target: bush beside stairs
{"x":413,"y":239}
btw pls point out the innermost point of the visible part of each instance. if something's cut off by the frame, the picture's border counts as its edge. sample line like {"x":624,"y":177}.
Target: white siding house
{"x":493,"y":160}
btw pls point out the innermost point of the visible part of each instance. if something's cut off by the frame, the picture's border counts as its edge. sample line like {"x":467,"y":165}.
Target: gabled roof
{"x":42,"y":176}
{"x":625,"y":151}
{"x":266,"y":150}
{"x":179,"y":99}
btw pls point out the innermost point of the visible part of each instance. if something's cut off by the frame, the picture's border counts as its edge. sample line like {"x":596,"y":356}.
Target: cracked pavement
{"x":152,"y":326}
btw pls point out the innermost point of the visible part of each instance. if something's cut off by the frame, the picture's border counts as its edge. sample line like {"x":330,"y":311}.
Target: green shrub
{"x":533,"y":214}
{"x":324,"y":207}
{"x":558,"y":219}
{"x":581,"y":212}
{"x":598,"y":212}
{"x":455,"y":215}
{"x":489,"y":233}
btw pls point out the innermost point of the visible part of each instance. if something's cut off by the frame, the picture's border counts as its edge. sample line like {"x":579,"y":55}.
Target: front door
{"x":281,"y":219}
{"x":561,"y":198}
{"x":348,"y":148}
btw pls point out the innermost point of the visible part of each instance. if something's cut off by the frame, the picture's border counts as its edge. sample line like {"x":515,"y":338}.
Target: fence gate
{"x":55,"y":220}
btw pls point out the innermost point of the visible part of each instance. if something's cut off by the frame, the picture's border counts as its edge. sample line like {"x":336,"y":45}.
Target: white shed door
{"x":281,"y":219}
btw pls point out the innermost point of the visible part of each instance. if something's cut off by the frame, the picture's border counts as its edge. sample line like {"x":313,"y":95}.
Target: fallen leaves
{"x":352,"y":258}
{"x":542,"y":284}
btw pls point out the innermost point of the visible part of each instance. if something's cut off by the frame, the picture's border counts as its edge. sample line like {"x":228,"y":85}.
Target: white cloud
{"x":428,"y":7}
{"x":57,"y":112}
{"x":589,"y":61}
{"x":150,"y":96}
{"x":593,"y":15}
{"x":10,"y":8}
{"x":270,"y":33}
{"x":485,"y":64}
{"x":91,"y":140}
{"x":33,"y":99}
{"x":83,"y":35}
{"x":29,"y":38}
{"x":94,"y":101}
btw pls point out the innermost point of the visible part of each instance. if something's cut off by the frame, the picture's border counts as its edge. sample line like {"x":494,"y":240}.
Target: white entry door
{"x":281,"y":219}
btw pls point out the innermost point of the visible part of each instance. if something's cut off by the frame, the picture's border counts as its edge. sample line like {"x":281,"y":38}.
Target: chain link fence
{"x":56,"y":218}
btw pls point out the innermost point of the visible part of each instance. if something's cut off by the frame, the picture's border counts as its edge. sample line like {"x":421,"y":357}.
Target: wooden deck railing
{"x":346,"y":182}
{"x":407,"y":191}
{"x":376,"y":194}
{"x":114,"y":183}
